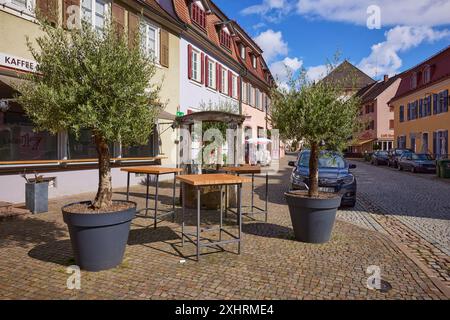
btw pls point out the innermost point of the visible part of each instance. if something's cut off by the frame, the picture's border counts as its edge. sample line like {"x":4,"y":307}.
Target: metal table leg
{"x":253,"y":191}
{"x":239,"y":219}
{"x":221,"y":212}
{"x":146,"y":198}
{"x":226,"y":201}
{"x":156,"y":201}
{"x":173,"y":196}
{"x":128,"y":186}
{"x":267,"y":192}
{"x":183,"y":196}
{"x":198,"y":223}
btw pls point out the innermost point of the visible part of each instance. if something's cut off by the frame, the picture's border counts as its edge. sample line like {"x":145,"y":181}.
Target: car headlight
{"x":348,"y":179}
{"x":297,"y":177}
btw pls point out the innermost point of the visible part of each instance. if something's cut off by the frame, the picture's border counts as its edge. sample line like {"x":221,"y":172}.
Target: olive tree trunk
{"x":314,"y":170}
{"x":104,"y":192}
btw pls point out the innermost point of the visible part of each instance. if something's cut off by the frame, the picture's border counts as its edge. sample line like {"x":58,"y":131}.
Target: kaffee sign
{"x":17,"y":63}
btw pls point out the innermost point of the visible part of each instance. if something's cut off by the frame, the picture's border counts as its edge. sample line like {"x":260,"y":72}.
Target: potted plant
{"x":100,"y":81}
{"x":319,"y":114}
{"x":36,"y":193}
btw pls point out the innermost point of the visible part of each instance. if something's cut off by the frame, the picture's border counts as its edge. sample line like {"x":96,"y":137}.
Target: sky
{"x":378,"y":36}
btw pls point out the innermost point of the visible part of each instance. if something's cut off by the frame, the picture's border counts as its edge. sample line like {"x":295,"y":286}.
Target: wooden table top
{"x":243,"y":169}
{"x":212,"y":179}
{"x":151,"y":170}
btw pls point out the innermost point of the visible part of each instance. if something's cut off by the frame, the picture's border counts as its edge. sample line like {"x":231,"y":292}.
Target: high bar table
{"x":247,"y":169}
{"x":216,"y":179}
{"x":156,"y":171}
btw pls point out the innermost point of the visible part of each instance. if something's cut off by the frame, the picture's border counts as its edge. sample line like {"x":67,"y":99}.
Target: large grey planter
{"x":36,"y":197}
{"x":312,"y":219}
{"x":99,"y":240}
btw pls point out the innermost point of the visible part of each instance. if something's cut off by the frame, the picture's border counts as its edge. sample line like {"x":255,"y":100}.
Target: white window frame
{"x":93,"y":11}
{"x":242,"y":51}
{"x":234,"y":83}
{"x":254,"y":62}
{"x":212,"y":83}
{"x":224,"y":81}
{"x":18,"y":9}
{"x":257,"y":99}
{"x":244,"y":92}
{"x":196,"y":63}
{"x":146,"y":26}
{"x":251,"y":98}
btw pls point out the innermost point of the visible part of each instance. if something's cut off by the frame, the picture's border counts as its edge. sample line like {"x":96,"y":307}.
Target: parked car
{"x":334,"y":175}
{"x":394,"y":156}
{"x":379,"y":157}
{"x":414,"y":162}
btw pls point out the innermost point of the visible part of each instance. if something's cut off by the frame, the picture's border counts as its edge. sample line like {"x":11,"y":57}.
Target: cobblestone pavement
{"x":35,"y":251}
{"x":413,"y":208}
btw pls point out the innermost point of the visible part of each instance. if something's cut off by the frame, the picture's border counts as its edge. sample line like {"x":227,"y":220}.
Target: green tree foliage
{"x":90,"y":79}
{"x":319,"y":113}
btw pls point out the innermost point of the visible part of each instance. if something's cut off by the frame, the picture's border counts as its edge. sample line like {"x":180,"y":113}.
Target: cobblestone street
{"x":413,"y":208}
{"x":35,"y":251}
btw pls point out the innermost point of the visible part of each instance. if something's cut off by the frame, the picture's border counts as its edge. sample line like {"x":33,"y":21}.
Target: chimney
{"x":386,"y":78}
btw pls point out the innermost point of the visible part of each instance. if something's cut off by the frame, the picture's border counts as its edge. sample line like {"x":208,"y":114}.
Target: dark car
{"x":414,"y":162}
{"x":379,"y":157}
{"x":334,"y":175}
{"x":394,"y":156}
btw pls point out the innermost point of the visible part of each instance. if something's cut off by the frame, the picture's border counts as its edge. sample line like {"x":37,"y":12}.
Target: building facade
{"x":375,"y":116}
{"x":420,"y":106}
{"x":71,"y":162}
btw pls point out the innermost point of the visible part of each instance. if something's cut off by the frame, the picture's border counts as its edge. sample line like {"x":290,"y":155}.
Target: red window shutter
{"x":230,"y":83}
{"x":239,"y":88}
{"x":206,"y":71}
{"x":219,"y":77}
{"x":189,"y":61}
{"x":202,"y":68}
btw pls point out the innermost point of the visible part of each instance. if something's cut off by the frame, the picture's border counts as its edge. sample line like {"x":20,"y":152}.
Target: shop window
{"x":19,"y":142}
{"x":150,"y":149}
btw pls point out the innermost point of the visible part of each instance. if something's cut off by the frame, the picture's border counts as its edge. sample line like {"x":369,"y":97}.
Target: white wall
{"x":192,"y":94}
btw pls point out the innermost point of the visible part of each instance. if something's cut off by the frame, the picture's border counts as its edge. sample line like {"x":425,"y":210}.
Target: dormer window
{"x":198,"y":14}
{"x":242,"y":51}
{"x":426,"y":75}
{"x":414,"y":81}
{"x":254,"y":61}
{"x":225,"y":38}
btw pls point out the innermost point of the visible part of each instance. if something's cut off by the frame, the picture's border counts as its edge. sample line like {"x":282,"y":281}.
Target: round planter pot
{"x":312,"y":219}
{"x":99,"y":239}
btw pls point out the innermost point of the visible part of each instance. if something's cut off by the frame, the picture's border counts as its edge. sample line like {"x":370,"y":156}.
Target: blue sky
{"x":305,"y":33}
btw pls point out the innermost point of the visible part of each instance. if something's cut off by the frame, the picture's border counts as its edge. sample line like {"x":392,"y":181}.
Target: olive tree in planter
{"x":100,"y":81}
{"x":319,"y":114}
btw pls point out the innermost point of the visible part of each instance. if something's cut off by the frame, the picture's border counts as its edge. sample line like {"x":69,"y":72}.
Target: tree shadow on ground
{"x":268,"y":230}
{"x":151,"y":235}
{"x":24,"y":231}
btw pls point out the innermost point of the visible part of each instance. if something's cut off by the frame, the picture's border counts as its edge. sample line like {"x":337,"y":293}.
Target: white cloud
{"x":399,"y":12}
{"x":384,"y":57}
{"x":317,"y":72}
{"x":283,"y":68}
{"x":271,"y":10}
{"x":272,"y":44}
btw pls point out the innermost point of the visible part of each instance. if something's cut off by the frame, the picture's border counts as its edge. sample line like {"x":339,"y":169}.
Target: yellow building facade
{"x":421,"y":115}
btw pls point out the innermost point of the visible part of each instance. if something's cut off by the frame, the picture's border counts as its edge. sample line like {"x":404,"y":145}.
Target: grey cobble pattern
{"x":421,"y":222}
{"x":35,"y":251}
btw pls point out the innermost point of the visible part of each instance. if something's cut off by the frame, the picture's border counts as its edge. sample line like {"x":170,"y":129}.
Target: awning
{"x":8,"y":86}
{"x":166,"y":116}
{"x":362,"y":142}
